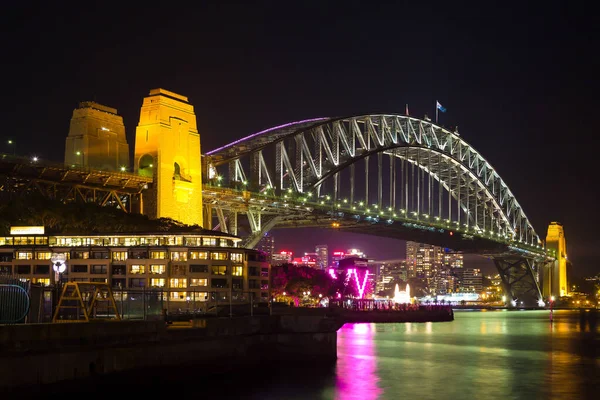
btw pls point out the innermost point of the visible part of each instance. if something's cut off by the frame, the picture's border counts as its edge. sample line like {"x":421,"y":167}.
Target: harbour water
{"x":480,"y":355}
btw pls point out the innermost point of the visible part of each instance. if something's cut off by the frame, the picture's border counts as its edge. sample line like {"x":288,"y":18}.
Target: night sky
{"x":520,"y":81}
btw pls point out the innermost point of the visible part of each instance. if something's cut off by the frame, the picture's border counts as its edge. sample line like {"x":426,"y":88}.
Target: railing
{"x":15,"y":299}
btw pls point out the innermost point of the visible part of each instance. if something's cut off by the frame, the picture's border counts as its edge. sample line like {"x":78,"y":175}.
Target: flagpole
{"x":436,"y":112}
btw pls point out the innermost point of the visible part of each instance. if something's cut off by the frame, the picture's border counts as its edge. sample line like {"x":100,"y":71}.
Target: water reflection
{"x":356,"y":376}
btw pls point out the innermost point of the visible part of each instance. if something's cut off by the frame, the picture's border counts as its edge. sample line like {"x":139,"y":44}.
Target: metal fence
{"x":15,"y":299}
{"x":32,"y":303}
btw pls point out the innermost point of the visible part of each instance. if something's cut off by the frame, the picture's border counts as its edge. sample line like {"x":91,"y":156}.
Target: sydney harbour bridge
{"x":388,"y":175}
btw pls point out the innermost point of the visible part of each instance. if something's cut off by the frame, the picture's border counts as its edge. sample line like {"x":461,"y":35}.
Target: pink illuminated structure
{"x":361,"y":288}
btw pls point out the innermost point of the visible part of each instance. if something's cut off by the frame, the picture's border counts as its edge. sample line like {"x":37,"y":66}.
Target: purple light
{"x":361,"y":288}
{"x":265,"y":131}
{"x":332,"y":273}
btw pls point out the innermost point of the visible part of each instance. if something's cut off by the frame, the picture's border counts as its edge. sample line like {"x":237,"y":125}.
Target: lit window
{"x":237,"y":270}
{"x":198,"y":255}
{"x":198,"y":282}
{"x":178,"y":283}
{"x":137,"y":269}
{"x":218,"y":270}
{"x":119,"y":255}
{"x":209,"y":241}
{"x":42,"y":281}
{"x":43,"y":255}
{"x":158,"y":255}
{"x":157,"y":269}
{"x":24,"y":255}
{"x":178,"y":295}
{"x":179,"y":255}
{"x":218,"y":256}
{"x":157,"y":282}
{"x":236,"y":257}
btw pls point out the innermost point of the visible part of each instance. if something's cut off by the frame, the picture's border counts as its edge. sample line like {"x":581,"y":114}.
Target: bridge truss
{"x":21,"y":176}
{"x":389,"y":175}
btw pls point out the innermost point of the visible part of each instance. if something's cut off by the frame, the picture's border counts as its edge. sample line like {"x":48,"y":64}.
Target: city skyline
{"x":516,"y":92}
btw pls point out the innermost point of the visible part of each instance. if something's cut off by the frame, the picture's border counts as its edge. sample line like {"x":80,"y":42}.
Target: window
{"x":98,"y":280}
{"x":237,"y":284}
{"x":24,"y":255}
{"x":119,"y":255}
{"x":264,"y":295}
{"x":137,"y":282}
{"x":118,"y":283}
{"x":264,"y":285}
{"x":5,"y":269}
{"x":224,"y":243}
{"x":78,"y":268}
{"x":198,"y":282}
{"x":237,"y":270}
{"x":252,"y":271}
{"x":178,"y":269}
{"x":99,"y":269}
{"x":157,"y":282}
{"x":6,"y":257}
{"x":138,"y":254}
{"x":264,"y":272}
{"x":198,"y":268}
{"x":41,"y":281}
{"x":157,"y":269}
{"x":137,"y":269}
{"x":252,"y":284}
{"x":80,"y":255}
{"x":218,"y":283}
{"x":217,"y":255}
{"x":158,"y":255}
{"x":23,"y":269}
{"x":99,"y":255}
{"x":238,"y":257}
{"x":218,"y":270}
{"x":178,"y":295}
{"x":43,"y":255}
{"x":179,"y":255}
{"x":209,"y":241}
{"x":42,"y":269}
{"x":198,"y":255}
{"x":178,"y":283}
{"x":118,"y":270}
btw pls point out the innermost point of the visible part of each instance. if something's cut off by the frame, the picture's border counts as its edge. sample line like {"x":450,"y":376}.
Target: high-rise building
{"x":423,"y":260}
{"x":322,"y":256}
{"x":389,"y":272}
{"x":452,"y":259}
{"x":266,"y":244}
{"x":470,"y":279}
{"x":336,"y":256}
{"x":282,"y":257}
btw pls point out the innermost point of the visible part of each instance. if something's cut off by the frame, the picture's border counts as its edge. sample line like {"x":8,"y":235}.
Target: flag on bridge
{"x":407,"y":109}
{"x":438,"y":107}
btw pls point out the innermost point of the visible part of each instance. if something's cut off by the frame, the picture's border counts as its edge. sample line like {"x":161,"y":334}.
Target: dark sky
{"x":521,"y":81}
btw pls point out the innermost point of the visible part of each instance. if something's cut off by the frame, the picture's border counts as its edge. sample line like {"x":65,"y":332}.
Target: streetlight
{"x":14,"y":146}
{"x":82,"y":154}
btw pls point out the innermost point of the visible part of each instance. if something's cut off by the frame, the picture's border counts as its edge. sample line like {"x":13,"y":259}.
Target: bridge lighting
{"x":345,"y":200}
{"x":394,"y":214}
{"x":322,"y":202}
{"x":328,"y":197}
{"x":361,"y":204}
{"x":403,"y":211}
{"x":426,"y":216}
{"x":289,"y":190}
{"x":354,"y":207}
{"x":285,"y":196}
{"x":123,"y":169}
{"x":34,"y":159}
{"x":451,"y":233}
{"x":437,"y":218}
{"x":389,"y":208}
{"x":368,"y":210}
{"x":375,"y":206}
{"x":335,"y":225}
{"x":152,"y":166}
{"x":244,"y":183}
{"x":309,"y":194}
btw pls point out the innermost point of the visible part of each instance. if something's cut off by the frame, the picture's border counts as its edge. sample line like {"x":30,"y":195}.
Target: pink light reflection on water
{"x":356,"y":369}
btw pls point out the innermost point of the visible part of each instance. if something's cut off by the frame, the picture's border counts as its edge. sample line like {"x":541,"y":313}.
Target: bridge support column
{"x":519,"y":280}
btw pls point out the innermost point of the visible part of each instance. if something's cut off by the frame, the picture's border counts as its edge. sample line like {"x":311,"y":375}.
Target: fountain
{"x":402,"y":296}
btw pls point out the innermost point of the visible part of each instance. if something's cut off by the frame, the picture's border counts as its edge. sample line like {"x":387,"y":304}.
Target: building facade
{"x":180,"y":265}
{"x":322,"y":256}
{"x":266,"y":244}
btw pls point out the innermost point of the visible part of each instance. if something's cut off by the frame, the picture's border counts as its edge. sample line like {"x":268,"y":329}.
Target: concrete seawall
{"x":44,"y":353}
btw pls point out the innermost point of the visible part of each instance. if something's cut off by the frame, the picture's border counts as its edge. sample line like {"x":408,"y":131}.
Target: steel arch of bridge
{"x":310,"y":152}
{"x":433,"y":174}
